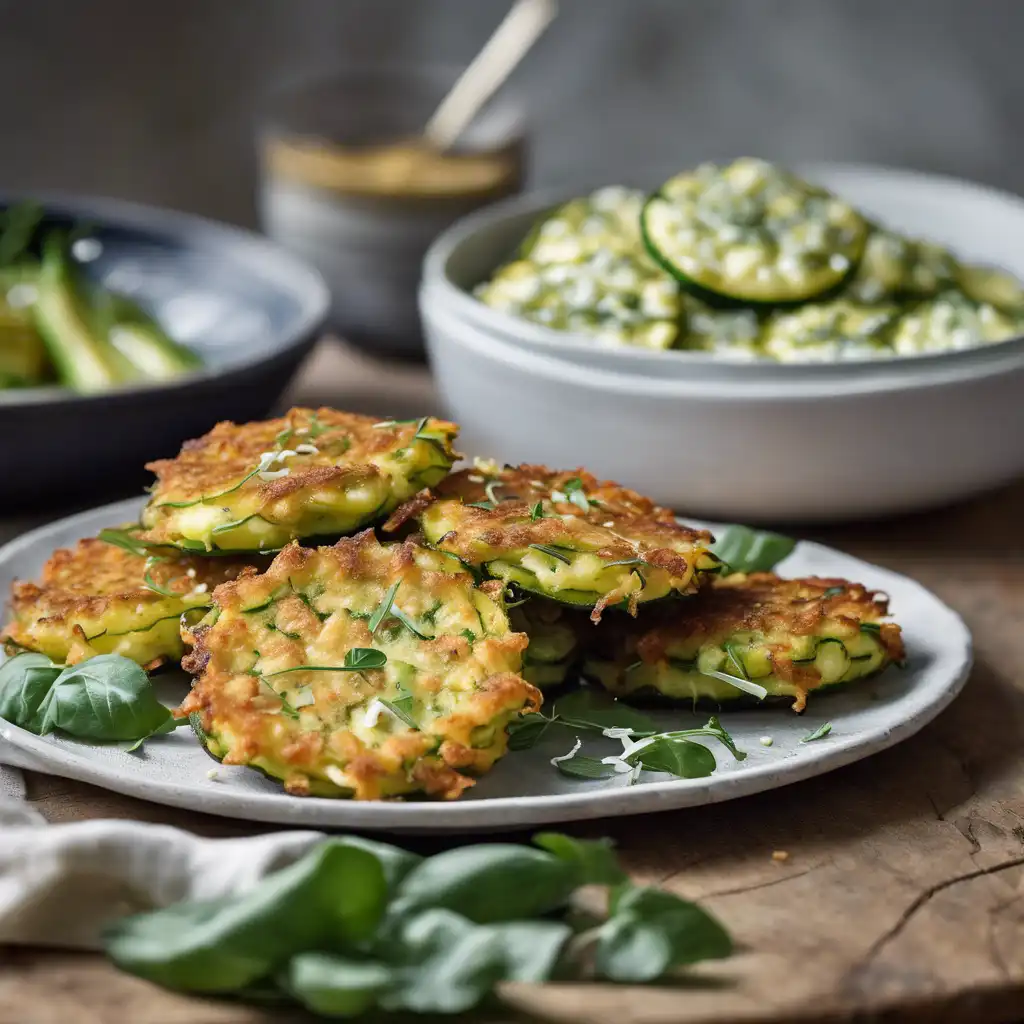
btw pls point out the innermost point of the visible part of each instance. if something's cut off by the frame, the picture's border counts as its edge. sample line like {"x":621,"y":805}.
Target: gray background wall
{"x":156,"y":100}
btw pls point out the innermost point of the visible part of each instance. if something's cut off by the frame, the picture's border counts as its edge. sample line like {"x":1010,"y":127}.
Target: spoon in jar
{"x":512,"y":39}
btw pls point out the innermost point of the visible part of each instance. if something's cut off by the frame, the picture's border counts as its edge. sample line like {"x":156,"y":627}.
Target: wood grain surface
{"x":900,"y":895}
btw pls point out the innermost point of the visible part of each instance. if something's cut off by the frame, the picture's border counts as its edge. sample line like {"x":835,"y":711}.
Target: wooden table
{"x":900,"y":896}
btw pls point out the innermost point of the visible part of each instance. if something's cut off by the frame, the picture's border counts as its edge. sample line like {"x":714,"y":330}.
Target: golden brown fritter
{"x":361,"y":670}
{"x":100,"y":599}
{"x":563,"y":535}
{"x":788,"y":636}
{"x":258,"y":486}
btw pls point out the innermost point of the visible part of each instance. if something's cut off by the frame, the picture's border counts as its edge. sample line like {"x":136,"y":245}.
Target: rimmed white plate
{"x":524,"y":789}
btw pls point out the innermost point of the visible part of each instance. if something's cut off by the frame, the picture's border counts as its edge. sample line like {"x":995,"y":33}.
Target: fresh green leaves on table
{"x":334,"y":896}
{"x":104,"y":699}
{"x":649,"y":932}
{"x":746,"y":550}
{"x":357,"y":926}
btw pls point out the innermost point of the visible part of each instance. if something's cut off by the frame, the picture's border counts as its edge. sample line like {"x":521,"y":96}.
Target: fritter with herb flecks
{"x":789,"y":637}
{"x":100,"y":599}
{"x":562,"y":534}
{"x":257,"y":486}
{"x":364,"y":669}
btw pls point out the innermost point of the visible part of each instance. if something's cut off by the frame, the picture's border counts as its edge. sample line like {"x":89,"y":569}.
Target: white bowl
{"x":804,"y":451}
{"x":759,"y":442}
{"x":979,"y":224}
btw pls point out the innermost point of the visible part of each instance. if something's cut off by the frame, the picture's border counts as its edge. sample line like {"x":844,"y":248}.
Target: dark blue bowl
{"x":251,"y":310}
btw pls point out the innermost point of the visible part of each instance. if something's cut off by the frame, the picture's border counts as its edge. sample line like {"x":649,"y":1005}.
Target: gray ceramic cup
{"x":366,"y":237}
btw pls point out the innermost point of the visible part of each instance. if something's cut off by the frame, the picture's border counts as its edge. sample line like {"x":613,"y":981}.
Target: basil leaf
{"x":581,"y":766}
{"x":449,"y":964}
{"x":106,"y":698}
{"x":25,"y":682}
{"x":650,"y":932}
{"x":676,"y":756}
{"x":487,"y":883}
{"x":332,"y":898}
{"x":594,"y":859}
{"x":819,"y":734}
{"x":335,"y":986}
{"x":359,"y":658}
{"x":395,"y":862}
{"x":747,"y":550}
{"x":169,"y":726}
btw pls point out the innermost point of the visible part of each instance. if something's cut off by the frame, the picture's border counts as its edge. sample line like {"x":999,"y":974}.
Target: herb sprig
{"x":645,"y":747}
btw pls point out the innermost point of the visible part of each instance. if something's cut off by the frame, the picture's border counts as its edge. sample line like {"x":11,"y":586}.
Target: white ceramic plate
{"x":524,"y":789}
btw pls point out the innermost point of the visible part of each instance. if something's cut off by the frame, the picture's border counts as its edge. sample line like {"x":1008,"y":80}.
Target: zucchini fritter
{"x":100,"y":599}
{"x":361,"y":670}
{"x":563,"y":535}
{"x":789,"y":636}
{"x":554,"y":633}
{"x":258,"y":486}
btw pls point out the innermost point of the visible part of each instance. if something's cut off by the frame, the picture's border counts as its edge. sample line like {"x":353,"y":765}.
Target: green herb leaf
{"x":487,"y":506}
{"x":335,"y":986}
{"x":537,"y":511}
{"x":106,"y":698}
{"x":573,"y":490}
{"x":676,"y":756}
{"x":650,"y":932}
{"x":834,"y":592}
{"x":871,"y":627}
{"x":449,"y":964}
{"x":151,"y":584}
{"x":332,"y":898}
{"x":126,"y":540}
{"x":384,"y":608}
{"x":747,"y":550}
{"x":359,"y":658}
{"x":594,"y":859}
{"x":582,"y":766}
{"x":553,"y":552}
{"x":819,"y":734}
{"x":402,"y":706}
{"x":524,"y":733}
{"x":406,"y":621}
{"x":592,"y":709}
{"x":488,"y":883}
{"x":25,"y":681}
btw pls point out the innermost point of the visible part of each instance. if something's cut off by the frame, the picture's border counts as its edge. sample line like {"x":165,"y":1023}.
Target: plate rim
{"x":494,"y":813}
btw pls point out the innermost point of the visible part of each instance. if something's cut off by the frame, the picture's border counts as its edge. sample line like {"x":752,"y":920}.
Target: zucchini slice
{"x":952,"y":322}
{"x":831,"y":332}
{"x":84,"y":358}
{"x":751,"y":233}
{"x":746,"y":635}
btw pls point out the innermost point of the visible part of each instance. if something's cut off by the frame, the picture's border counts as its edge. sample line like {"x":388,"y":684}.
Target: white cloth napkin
{"x":60,"y":884}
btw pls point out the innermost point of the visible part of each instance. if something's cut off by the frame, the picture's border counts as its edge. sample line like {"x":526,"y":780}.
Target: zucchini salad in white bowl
{"x":825,"y":331}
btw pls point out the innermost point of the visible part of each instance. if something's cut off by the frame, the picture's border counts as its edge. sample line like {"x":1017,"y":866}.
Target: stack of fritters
{"x":374,"y":668}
